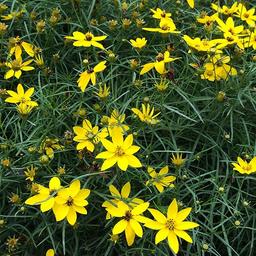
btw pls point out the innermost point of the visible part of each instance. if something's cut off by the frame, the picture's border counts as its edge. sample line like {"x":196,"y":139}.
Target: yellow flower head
{"x":17,"y":46}
{"x":50,"y":252}
{"x":191,"y":3}
{"x":16,"y":67}
{"x":116,"y":122}
{"x":119,"y":151}
{"x":49,"y":145}
{"x":165,"y":26}
{"x":159,"y":64}
{"x":225,"y":9}
{"x":87,"y":136}
{"x":178,"y":160}
{"x":160,"y":180}
{"x":160,"y":14}
{"x":69,"y":201}
{"x":138,"y":43}
{"x":130,"y":222}
{"x":30,"y":173}
{"x":246,"y":15}
{"x":244,"y":167}
{"x":121,"y":196}
{"x":103,"y":92}
{"x":147,"y":114}
{"x":86,"y":40}
{"x":45,"y":196}
{"x":171,"y":226}
{"x":21,"y":96}
{"x":90,"y":74}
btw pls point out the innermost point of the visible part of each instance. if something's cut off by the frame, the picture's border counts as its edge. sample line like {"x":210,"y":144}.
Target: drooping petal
{"x":60,"y":211}
{"x":173,"y":242}
{"x":122,"y":163}
{"x":136,"y":227}
{"x":71,"y":216}
{"x":129,"y":235}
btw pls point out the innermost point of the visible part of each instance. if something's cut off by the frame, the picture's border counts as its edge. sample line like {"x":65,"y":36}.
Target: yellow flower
{"x":252,"y":40}
{"x":45,"y":196}
{"x":147,"y":114}
{"x":208,"y":20}
{"x":90,"y":74}
{"x":165,"y":26}
{"x":49,"y":145}
{"x":123,"y":196}
{"x":246,"y":15}
{"x":16,"y":67}
{"x":201,"y":45}
{"x":171,"y":226}
{"x":139,"y":43}
{"x":69,"y":201}
{"x":86,"y":40}
{"x":225,"y":9}
{"x":160,"y":14}
{"x":87,"y":136}
{"x":159,"y":64}
{"x":13,"y":15}
{"x":39,"y":60}
{"x":30,"y":173}
{"x":119,"y":151}
{"x":50,"y":252}
{"x":24,"y":109}
{"x":21,"y":96}
{"x":161,"y":179}
{"x":115,"y":122}
{"x":103,"y":92}
{"x":178,"y":159}
{"x":191,"y":3}
{"x":17,"y":45}
{"x":130,"y":222}
{"x":217,"y":68}
{"x":244,"y":167}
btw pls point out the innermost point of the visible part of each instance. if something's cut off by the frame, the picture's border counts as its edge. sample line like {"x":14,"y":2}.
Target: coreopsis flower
{"x":160,"y":180}
{"x":246,"y":15}
{"x":159,"y":64}
{"x":86,"y":40}
{"x":70,"y":201}
{"x":217,"y":68}
{"x":206,"y":19}
{"x":16,"y":67}
{"x":244,"y":167}
{"x":13,"y":15}
{"x":50,"y":252}
{"x":178,"y":159}
{"x":202,"y":45}
{"x":88,"y":136}
{"x":147,"y":115}
{"x":191,"y":3}
{"x":165,"y":26}
{"x":138,"y":43}
{"x":229,"y":11}
{"x":252,"y":40}
{"x":90,"y":74}
{"x":160,"y":14}
{"x":21,"y":96}
{"x":24,"y":109}
{"x":116,"y":122}
{"x":171,"y":226}
{"x":121,"y":196}
{"x":45,"y":197}
{"x":30,"y":173}
{"x":16,"y":47}
{"x":119,"y":151}
{"x":103,"y":92}
{"x":130,"y":220}
{"x":48,"y":146}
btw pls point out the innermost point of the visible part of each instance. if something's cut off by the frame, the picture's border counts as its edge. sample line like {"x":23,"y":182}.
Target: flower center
{"x":128,"y":215}
{"x":246,"y":15}
{"x":170,"y":224}
{"x":119,"y":151}
{"x":247,"y":167}
{"x":165,"y":27}
{"x":16,"y":65}
{"x":163,"y":14}
{"x":23,"y":100}
{"x":88,"y":37}
{"x":70,"y":201}
{"x":160,"y":57}
{"x":90,"y":70}
{"x":90,"y":135}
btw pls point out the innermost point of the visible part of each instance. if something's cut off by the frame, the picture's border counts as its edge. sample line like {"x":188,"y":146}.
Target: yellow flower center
{"x":163,"y":14}
{"x":70,"y":201}
{"x":247,"y":167}
{"x":128,"y":215}
{"x":160,"y":57}
{"x":16,"y":65}
{"x":88,"y":36}
{"x":170,"y":224}
{"x":90,"y":135}
{"x":23,"y":100}
{"x":165,"y":27}
{"x":246,"y":15}
{"x":119,"y":151}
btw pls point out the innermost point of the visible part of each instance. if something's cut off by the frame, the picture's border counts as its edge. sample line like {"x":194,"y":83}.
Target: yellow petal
{"x":129,"y":235}
{"x":47,"y":205}
{"x":113,"y":191}
{"x":126,"y":189}
{"x":54,"y":183}
{"x":108,"y":163}
{"x":60,"y":211}
{"x":122,"y":163}
{"x":173,"y":242}
{"x":120,"y":227}
{"x":147,"y":67}
{"x":136,"y":227}
{"x":159,"y":217}
{"x":161,"y":235}
{"x":184,"y":235}
{"x":183,"y":214}
{"x":185,"y":225}
{"x":172,"y":210}
{"x":71,"y":216}
{"x":140,"y":208}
